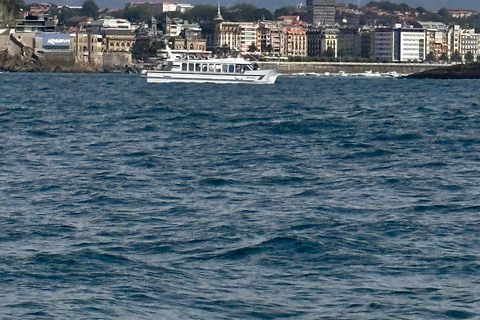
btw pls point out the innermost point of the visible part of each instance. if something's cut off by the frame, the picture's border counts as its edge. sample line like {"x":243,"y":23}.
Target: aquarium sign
{"x":56,"y":41}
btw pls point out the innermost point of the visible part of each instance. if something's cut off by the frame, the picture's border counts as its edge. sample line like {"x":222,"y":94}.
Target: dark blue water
{"x":319,"y":198}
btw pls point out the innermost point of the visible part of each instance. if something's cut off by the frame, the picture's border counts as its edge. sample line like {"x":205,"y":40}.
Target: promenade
{"x":350,"y":67}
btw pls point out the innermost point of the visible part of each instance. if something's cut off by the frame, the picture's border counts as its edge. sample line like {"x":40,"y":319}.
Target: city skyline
{"x":275,"y":4}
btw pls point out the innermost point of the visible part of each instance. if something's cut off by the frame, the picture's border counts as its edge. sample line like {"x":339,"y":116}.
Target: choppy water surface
{"x":319,"y":198}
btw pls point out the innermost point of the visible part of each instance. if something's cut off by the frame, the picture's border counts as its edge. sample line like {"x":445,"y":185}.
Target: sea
{"x":313,"y":198}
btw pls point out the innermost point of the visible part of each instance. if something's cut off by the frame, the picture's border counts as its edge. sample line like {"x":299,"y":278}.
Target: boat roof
{"x":215,"y":60}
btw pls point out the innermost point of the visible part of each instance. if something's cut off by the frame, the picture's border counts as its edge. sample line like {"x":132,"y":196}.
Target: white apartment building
{"x":469,"y":43}
{"x":412,"y":44}
{"x":248,"y":36}
{"x":399,"y":44}
{"x":463,"y":41}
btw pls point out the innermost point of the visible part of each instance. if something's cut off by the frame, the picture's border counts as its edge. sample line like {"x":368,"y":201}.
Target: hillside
{"x":7,"y":11}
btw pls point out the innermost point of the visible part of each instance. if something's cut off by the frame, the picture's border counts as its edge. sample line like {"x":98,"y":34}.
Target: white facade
{"x":400,"y":44}
{"x":172,"y":6}
{"x":248,"y":36}
{"x":96,"y":26}
{"x":183,"y":7}
{"x":412,"y":45}
{"x":469,"y":43}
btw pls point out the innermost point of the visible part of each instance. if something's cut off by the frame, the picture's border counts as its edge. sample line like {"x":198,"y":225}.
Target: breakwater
{"x":349,"y":67}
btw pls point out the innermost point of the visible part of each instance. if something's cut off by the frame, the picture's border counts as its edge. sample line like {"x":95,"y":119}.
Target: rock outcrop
{"x":23,"y":62}
{"x":459,"y":71}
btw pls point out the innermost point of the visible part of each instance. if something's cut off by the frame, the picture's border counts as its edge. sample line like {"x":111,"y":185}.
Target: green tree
{"x":9,"y":10}
{"x":443,"y":57}
{"x":263,"y":14}
{"x":445,"y":15}
{"x":456,"y":57}
{"x":65,"y":14}
{"x":330,"y":52}
{"x":201,"y":13}
{"x":252,"y":48}
{"x":469,"y":57}
{"x":223,"y":50}
{"x":90,"y":9}
{"x":137,"y":13}
{"x":421,"y":10}
{"x":285,"y":11}
{"x":431,"y":57}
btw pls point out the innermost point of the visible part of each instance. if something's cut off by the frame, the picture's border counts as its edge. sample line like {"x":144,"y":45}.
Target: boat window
{"x":204,"y":67}
{"x":248,"y":67}
{"x":184,"y":66}
{"x":225,"y":68}
{"x":238,"y":68}
{"x":198,"y":67}
{"x":211,"y":67}
{"x":218,"y":68}
{"x":191,"y":66}
{"x":231,"y":68}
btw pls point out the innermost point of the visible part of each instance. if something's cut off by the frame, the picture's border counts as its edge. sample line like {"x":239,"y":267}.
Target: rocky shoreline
{"x":28,"y":61}
{"x":459,"y":71}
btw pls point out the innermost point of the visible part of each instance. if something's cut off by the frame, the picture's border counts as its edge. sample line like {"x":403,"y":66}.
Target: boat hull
{"x":254,"y":77}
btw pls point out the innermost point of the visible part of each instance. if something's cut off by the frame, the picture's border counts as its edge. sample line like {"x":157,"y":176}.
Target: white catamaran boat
{"x":189,"y":68}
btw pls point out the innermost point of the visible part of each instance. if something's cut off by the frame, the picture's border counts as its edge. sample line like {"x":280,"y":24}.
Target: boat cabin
{"x":208,"y":67}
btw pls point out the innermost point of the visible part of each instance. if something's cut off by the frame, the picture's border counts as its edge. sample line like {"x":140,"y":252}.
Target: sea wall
{"x":348,"y":67}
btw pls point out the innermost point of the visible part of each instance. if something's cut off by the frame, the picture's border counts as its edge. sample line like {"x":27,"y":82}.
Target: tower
{"x":321,"y":12}
{"x":217,"y":33}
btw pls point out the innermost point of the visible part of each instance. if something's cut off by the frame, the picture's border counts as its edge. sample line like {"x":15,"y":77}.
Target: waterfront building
{"x":349,"y":42}
{"x":412,"y":44}
{"x":88,"y":49}
{"x":239,"y":36}
{"x":271,"y":38}
{"x":284,"y":37}
{"x":264,"y":37}
{"x":190,"y":38}
{"x":436,"y":38}
{"x":321,"y":12}
{"x":34,"y":23}
{"x":386,"y":45}
{"x":248,"y":36}
{"x":469,"y":44}
{"x":295,"y":36}
{"x":399,"y":44}
{"x":118,"y":34}
{"x":367,"y":42}
{"x":454,"y":40}
{"x":322,"y":42}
